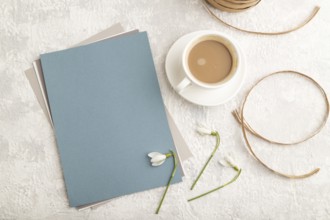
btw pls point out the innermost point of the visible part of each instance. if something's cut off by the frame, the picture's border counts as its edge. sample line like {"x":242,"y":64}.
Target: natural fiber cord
{"x":208,"y":9}
{"x":239,"y":115}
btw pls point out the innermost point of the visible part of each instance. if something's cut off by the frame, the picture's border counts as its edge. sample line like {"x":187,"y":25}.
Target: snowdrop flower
{"x":229,"y":161}
{"x":158,"y":159}
{"x":226,"y":161}
{"x":203,"y":130}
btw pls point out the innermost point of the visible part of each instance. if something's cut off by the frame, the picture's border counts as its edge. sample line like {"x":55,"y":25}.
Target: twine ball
{"x":233,"y":5}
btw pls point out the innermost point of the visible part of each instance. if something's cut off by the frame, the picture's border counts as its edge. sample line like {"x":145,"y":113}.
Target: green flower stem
{"x":216,"y":134}
{"x":169,"y":181}
{"x":168,"y":155}
{"x":213,"y":190}
{"x":233,"y":166}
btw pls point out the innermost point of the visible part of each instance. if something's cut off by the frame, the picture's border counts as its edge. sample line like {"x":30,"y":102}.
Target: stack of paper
{"x":104,"y":102}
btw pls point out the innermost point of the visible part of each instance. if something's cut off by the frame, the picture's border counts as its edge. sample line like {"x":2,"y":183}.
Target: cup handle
{"x":182,"y":85}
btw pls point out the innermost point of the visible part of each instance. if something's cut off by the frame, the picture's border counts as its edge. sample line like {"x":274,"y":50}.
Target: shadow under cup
{"x":210,"y":61}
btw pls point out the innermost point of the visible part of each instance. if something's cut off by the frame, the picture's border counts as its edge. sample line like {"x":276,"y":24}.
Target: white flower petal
{"x":203,"y":131}
{"x":153,"y":154}
{"x":158,"y":158}
{"x":223,"y":162}
{"x":155,"y":164}
{"x":228,"y":160}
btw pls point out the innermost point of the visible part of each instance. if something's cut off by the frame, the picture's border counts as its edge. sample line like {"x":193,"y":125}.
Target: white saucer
{"x":193,"y":93}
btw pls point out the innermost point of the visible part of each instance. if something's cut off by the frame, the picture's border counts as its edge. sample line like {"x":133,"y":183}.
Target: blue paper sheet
{"x":108,"y":115}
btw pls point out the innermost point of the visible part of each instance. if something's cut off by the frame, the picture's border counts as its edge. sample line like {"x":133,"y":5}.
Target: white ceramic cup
{"x":189,"y":79}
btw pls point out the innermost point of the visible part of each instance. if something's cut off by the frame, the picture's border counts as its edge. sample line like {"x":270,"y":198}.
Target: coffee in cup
{"x":209,"y":61}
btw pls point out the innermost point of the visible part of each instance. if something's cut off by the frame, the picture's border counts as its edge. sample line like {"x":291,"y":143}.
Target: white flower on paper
{"x":203,"y":131}
{"x":228,"y":161}
{"x":157,"y":159}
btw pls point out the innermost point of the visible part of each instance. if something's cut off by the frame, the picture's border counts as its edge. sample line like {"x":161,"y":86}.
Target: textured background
{"x":31,"y":184}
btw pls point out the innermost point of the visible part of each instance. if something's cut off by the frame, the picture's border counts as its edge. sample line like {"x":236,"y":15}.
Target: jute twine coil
{"x":232,"y":6}
{"x":239,"y":115}
{"x":217,"y":5}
